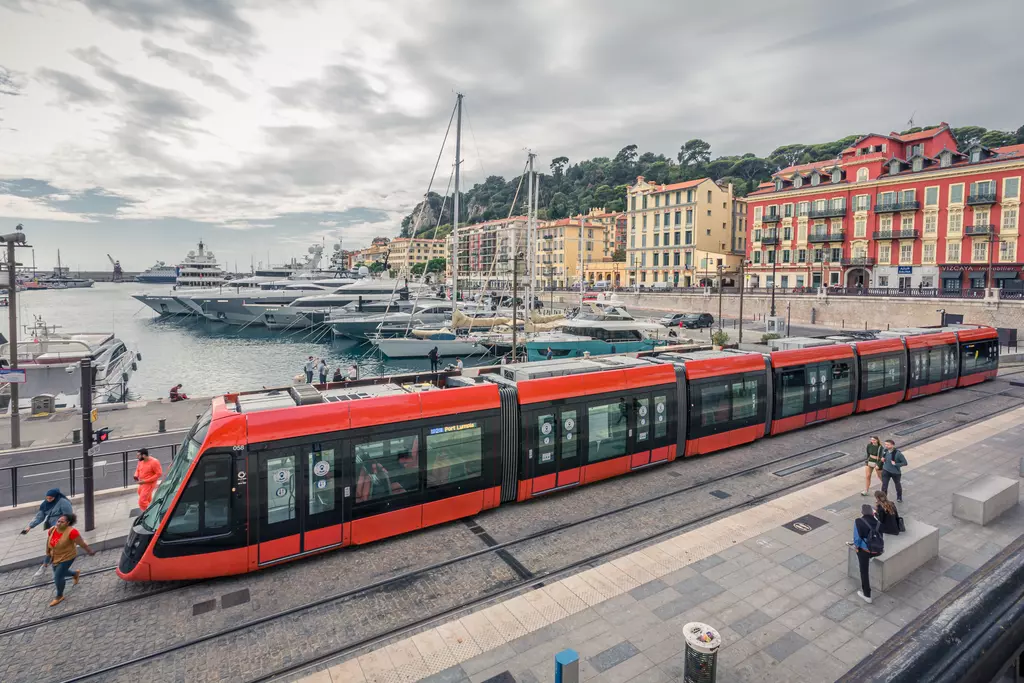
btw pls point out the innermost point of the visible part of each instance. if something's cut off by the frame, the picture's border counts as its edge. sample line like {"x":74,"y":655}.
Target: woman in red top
{"x":60,"y":548}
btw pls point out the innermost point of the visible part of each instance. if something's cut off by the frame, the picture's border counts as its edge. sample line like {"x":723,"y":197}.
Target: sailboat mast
{"x":455,"y":207}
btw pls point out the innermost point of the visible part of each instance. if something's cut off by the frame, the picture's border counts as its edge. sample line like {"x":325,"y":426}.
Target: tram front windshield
{"x":187,"y":452}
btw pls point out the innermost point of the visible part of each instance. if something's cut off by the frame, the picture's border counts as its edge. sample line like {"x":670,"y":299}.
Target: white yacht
{"x":51,"y":362}
{"x":318,"y":308}
{"x":400,"y":318}
{"x":158,"y":274}
{"x":200,"y":269}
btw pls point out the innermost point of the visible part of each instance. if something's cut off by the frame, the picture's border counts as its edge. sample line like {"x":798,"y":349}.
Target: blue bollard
{"x":567,"y":667}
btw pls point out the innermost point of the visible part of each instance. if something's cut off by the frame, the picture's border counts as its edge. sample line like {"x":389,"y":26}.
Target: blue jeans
{"x":61,"y":572}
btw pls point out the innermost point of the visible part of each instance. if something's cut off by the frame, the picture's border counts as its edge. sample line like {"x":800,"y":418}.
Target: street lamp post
{"x":14,"y":239}
{"x":775,"y":260}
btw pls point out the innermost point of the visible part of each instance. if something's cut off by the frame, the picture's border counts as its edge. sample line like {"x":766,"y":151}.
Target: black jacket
{"x":890,"y":523}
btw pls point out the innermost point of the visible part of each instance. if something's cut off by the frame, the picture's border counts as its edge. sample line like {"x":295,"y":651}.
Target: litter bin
{"x":700,"y":660}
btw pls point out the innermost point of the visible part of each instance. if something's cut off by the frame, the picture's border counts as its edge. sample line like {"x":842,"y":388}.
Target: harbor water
{"x":207,"y":358}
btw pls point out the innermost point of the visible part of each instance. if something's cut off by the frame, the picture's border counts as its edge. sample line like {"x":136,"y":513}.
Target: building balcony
{"x":824,"y":237}
{"x":770,"y":240}
{"x":829,"y":212}
{"x":981,"y":198}
{"x":857,"y":261}
{"x":893,"y":207}
{"x":979,"y":229}
{"x":903,"y":234}
{"x":772,"y":218}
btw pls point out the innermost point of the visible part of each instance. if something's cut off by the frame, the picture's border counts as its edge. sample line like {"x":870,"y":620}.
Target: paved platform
{"x":113,"y":520}
{"x":131,"y":419}
{"x":781,"y":599}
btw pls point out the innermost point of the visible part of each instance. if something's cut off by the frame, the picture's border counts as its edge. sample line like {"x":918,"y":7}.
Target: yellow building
{"x":678,"y":235}
{"x":558,"y":250}
{"x":615,"y":273}
{"x":371,"y":254}
{"x":407,"y":252}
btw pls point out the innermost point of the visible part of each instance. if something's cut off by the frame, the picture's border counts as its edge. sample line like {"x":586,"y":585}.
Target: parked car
{"x":696,"y":320}
{"x":671,"y":320}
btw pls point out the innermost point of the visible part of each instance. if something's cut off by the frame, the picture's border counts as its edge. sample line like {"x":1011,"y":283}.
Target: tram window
{"x":744,"y":399}
{"x":936,"y":357}
{"x":894,"y":373}
{"x":715,"y":402}
{"x":607,"y":429}
{"x":841,"y":383}
{"x":454,"y":453}
{"x":660,"y":416}
{"x":545,"y":438}
{"x":642,"y":406}
{"x":979,"y":356}
{"x":321,"y":481}
{"x":918,"y":367}
{"x":570,"y":434}
{"x":205,"y":504}
{"x":874,"y":376}
{"x":280,"y":489}
{"x":792,"y":391}
{"x":949,"y":362}
{"x":387,"y":467}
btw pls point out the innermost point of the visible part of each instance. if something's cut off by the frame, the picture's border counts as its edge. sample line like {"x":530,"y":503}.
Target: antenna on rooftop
{"x":910,"y":123}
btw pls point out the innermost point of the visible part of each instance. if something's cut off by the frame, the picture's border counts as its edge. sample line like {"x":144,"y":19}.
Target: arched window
{"x":798,"y":181}
{"x":862,"y":174}
{"x":778,"y":185}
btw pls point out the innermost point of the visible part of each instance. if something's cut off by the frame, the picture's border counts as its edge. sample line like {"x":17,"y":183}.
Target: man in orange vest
{"x":147,"y":473}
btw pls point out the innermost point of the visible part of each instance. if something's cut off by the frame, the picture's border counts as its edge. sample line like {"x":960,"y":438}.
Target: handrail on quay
{"x":13,"y":471}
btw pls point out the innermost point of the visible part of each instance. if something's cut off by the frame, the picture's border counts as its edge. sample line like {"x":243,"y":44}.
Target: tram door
{"x":300,"y":500}
{"x":556,"y":450}
{"x":819,"y":391}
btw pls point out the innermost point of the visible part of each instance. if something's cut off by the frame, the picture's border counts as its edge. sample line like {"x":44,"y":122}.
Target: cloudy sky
{"x":136,"y":127}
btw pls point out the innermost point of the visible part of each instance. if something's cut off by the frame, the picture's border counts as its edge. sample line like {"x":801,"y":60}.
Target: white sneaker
{"x":864,"y":597}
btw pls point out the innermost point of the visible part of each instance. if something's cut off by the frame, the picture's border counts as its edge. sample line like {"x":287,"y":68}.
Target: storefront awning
{"x":950,"y":275}
{"x":1004,"y":275}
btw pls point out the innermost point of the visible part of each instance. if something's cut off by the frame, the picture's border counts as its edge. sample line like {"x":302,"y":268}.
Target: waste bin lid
{"x":702,"y":637}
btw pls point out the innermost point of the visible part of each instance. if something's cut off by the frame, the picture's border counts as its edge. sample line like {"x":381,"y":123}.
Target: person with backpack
{"x":868,"y":542}
{"x":892,"y":463}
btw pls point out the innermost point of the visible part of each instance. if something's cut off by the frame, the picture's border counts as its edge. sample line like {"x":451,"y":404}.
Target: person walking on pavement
{"x":432,"y":355}
{"x":147,"y":473}
{"x":61,"y":549}
{"x":868,"y":542}
{"x":873,"y":464}
{"x":887,"y":514}
{"x":323,"y":371}
{"x":892,"y":464}
{"x":310,"y":365}
{"x":50,"y":510}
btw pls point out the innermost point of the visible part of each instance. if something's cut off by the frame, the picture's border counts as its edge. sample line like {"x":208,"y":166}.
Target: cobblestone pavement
{"x":111,"y":635}
{"x":782,"y":601}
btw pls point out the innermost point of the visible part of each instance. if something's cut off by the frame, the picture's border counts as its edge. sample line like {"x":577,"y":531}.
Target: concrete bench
{"x":903,"y":554}
{"x":985,"y":498}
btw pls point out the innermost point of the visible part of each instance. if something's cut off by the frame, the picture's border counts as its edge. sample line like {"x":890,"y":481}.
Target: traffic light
{"x":101,"y":435}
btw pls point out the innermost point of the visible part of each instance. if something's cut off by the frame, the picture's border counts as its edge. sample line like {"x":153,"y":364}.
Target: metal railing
{"x":26,"y":482}
{"x":979,"y":229}
{"x":771,"y":218}
{"x":981,"y":198}
{"x":816,"y":237}
{"x":857,"y":261}
{"x":833,"y":290}
{"x":891,"y":207}
{"x":901,"y":234}
{"x":829,"y":212}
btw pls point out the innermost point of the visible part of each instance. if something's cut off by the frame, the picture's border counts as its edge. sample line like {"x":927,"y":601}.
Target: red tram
{"x":266,"y":477}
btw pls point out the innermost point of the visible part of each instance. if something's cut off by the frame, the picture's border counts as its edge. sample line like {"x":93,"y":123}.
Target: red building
{"x":895,"y":211}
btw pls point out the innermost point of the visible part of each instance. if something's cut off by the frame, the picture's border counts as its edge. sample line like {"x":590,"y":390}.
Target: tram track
{"x":399,"y":581}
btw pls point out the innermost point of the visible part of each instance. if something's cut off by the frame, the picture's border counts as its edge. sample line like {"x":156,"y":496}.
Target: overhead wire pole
{"x":531,"y":237}
{"x":14,"y":239}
